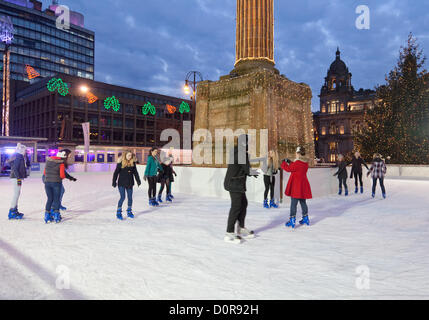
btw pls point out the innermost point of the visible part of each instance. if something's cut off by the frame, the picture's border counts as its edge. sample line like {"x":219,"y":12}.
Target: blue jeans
{"x":62,"y":194}
{"x":129,"y":192}
{"x":294,"y":204}
{"x":53,"y":192}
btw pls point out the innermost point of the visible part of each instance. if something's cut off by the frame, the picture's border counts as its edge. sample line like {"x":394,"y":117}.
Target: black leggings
{"x":358,"y":175}
{"x":164,"y":183}
{"x":238,"y":211}
{"x":270,"y":182}
{"x":342,"y":181}
{"x":152,"y":186}
{"x":374,"y":185}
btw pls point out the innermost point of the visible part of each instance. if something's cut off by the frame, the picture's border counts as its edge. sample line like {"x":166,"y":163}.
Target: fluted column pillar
{"x":255,"y":31}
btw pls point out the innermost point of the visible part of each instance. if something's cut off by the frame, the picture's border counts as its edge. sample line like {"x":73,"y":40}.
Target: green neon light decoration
{"x":184,"y":107}
{"x":58,"y":84}
{"x":149,"y":107}
{"x":113,"y":103}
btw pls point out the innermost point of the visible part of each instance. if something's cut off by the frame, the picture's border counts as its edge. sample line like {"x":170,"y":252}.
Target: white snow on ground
{"x":177,"y":251}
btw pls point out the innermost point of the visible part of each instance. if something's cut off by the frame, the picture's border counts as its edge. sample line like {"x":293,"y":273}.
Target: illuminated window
{"x":341,"y":129}
{"x":332,"y":128}
{"x":323,"y":109}
{"x":333,"y":158}
{"x":323,"y":131}
{"x":342,"y":107}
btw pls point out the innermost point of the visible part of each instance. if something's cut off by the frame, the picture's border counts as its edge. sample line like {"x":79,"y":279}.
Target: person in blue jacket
{"x":150,"y":175}
{"x":18,"y":172}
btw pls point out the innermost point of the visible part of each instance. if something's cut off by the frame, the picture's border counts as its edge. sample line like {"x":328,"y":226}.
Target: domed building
{"x":341,"y":113}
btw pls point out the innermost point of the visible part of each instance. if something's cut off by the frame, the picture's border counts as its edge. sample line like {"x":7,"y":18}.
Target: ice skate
{"x":171,"y":196}
{"x":168,"y":198}
{"x":119,"y":214}
{"x":245,"y":233}
{"x":266,"y":206}
{"x":340,"y":192}
{"x":130,"y":213}
{"x":63,"y":208}
{"x":14,"y":215}
{"x":373,"y":195}
{"x":48,"y":217}
{"x":273,"y":204}
{"x":291,"y":223}
{"x":346,"y":193}
{"x":384,"y":196}
{"x":361,"y":189}
{"x":356,"y":190}
{"x":57,"y":217}
{"x":305,"y":220}
{"x":159,"y":198}
{"x":232,"y":238}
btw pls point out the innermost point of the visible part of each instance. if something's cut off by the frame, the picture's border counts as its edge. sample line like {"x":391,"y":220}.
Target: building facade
{"x":123,"y":121}
{"x":341,"y":113}
{"x":40,"y":44}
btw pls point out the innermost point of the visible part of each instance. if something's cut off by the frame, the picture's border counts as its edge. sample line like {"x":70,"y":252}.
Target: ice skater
{"x":68,"y":176}
{"x":123,"y":177}
{"x":150,"y":175}
{"x":54,"y":174}
{"x":235,"y":184}
{"x":165,"y":178}
{"x":298,"y":187}
{"x":378,"y":171}
{"x":18,"y":172}
{"x":357,"y":163}
{"x":342,"y":175}
{"x":270,"y":168}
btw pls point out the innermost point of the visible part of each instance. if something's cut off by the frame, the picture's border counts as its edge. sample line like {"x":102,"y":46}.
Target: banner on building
{"x":85,"y":127}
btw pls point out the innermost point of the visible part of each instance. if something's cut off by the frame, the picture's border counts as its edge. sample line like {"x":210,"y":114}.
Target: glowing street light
{"x":84,"y":89}
{"x":186,"y":88}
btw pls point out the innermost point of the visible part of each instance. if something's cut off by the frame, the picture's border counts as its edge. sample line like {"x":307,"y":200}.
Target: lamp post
{"x":191,"y":83}
{"x":6,"y":36}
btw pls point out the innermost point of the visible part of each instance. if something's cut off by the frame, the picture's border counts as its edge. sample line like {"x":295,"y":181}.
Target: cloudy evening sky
{"x":151,"y":45}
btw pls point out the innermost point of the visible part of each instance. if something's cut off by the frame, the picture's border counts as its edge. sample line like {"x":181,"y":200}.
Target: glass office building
{"x":43,"y":46}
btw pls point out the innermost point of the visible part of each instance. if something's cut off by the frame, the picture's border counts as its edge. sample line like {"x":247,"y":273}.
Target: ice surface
{"x":177,"y":251}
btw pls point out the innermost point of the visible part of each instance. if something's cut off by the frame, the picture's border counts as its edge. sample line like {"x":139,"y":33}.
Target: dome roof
{"x":338,"y":67}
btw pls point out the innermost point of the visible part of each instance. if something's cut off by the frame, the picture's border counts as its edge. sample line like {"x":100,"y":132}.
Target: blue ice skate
{"x":346,"y":193}
{"x":384,"y":195}
{"x":63,"y":208}
{"x":15,"y":215}
{"x":171,"y":196}
{"x":119,"y":214}
{"x":305,"y":220}
{"x":340,"y":192}
{"x":373,"y":195}
{"x":130,"y":213}
{"x":273,"y":204}
{"x":291,"y":223}
{"x":266,"y":205}
{"x":48,"y":217}
{"x":356,"y":190}
{"x":159,"y":198}
{"x":57,"y":217}
{"x":168,"y":198}
{"x":361,"y":189}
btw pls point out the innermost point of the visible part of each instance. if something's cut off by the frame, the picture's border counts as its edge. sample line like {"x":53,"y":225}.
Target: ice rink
{"x":356,"y":248}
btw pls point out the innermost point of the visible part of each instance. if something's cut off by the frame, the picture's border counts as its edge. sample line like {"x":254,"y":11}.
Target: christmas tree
{"x":398,"y":125}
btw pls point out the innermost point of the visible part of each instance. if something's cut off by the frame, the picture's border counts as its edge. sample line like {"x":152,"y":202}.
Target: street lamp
{"x":84,"y":89}
{"x":6,"y":36}
{"x":191,"y":82}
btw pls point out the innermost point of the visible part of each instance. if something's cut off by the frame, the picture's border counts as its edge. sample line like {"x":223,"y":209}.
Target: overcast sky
{"x":151,"y":45}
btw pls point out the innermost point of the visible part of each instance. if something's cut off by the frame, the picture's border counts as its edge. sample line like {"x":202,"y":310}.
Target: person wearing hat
{"x":298,"y":187}
{"x":55,"y":172}
{"x":235,"y":184}
{"x":150,"y":175}
{"x":18,"y":172}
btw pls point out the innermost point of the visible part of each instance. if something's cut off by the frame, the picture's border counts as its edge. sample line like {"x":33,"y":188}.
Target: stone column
{"x":255,"y":32}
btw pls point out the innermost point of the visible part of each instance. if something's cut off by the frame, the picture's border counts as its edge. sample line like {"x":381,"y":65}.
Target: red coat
{"x":298,"y":186}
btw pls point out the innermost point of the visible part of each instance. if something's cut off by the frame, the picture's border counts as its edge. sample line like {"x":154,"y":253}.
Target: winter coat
{"x":236,"y":174}
{"x":298,"y":186}
{"x":357,"y":166}
{"x":126,"y":176}
{"x":152,"y":167}
{"x":268,"y":169}
{"x":342,"y":170}
{"x":18,"y":168}
{"x":378,"y":169}
{"x":54,"y":169}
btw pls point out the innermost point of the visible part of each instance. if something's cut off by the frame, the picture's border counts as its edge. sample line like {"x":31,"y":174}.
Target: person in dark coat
{"x":235,"y":184}
{"x":18,"y":172}
{"x":298,"y":187}
{"x":54,"y":174}
{"x":123,"y":177}
{"x":357,"y":163}
{"x":342,"y":174}
{"x":378,"y":172}
{"x":165,"y":178}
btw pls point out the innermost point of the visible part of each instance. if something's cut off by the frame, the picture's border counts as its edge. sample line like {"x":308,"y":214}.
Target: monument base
{"x":259,"y":100}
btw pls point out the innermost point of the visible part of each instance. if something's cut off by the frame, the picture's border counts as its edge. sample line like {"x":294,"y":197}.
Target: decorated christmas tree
{"x":398,"y":126}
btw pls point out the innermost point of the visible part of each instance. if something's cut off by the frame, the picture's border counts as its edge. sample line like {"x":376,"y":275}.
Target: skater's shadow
{"x":321,"y":213}
{"x":142,"y":213}
{"x":280,"y":220}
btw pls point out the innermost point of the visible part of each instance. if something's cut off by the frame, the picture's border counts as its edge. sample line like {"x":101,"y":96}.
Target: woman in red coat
{"x":298,"y":187}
